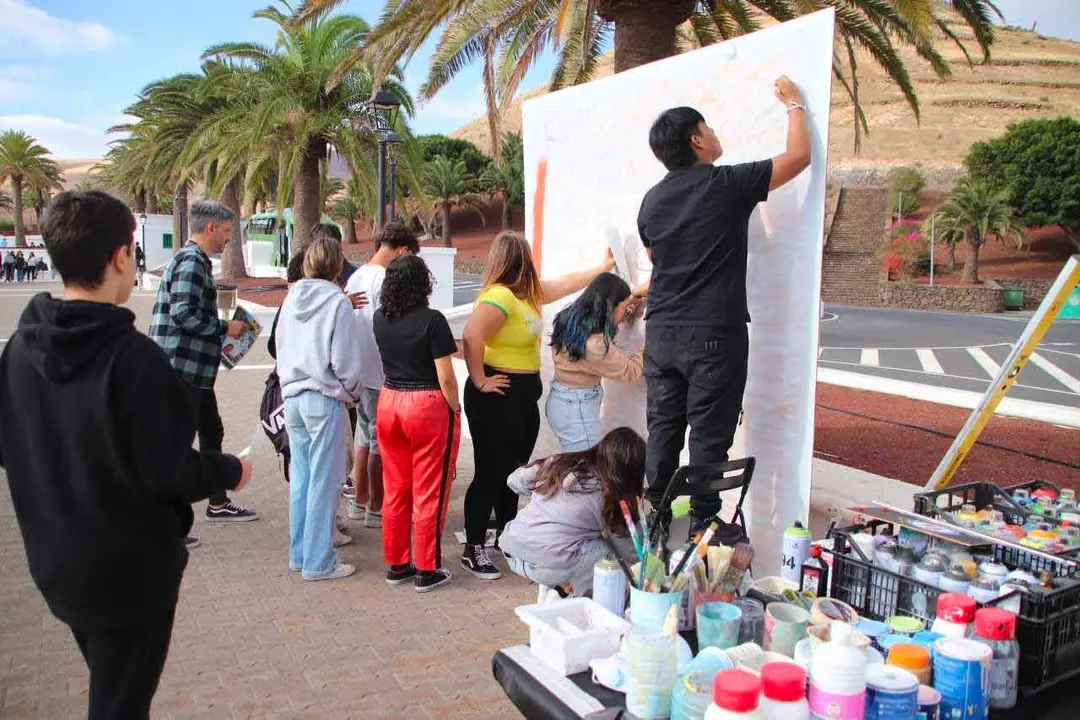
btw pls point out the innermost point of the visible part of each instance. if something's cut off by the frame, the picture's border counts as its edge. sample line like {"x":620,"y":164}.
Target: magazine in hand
{"x":233,"y":350}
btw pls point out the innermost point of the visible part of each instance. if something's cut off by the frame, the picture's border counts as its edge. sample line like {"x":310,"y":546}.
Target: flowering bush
{"x":906,"y":251}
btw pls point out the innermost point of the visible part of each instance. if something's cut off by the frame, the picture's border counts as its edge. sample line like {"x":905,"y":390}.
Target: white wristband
{"x":795,"y":106}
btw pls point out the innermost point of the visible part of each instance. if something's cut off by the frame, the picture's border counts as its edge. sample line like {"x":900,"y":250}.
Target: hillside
{"x":1029,"y":76}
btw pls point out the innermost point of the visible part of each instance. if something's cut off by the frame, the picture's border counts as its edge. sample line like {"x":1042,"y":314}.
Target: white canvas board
{"x":594,"y":140}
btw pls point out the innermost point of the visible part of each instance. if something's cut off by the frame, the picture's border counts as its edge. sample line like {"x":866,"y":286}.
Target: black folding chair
{"x":713,"y":479}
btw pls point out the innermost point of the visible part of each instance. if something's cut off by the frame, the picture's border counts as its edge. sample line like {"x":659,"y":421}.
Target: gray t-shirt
{"x":548,"y":531}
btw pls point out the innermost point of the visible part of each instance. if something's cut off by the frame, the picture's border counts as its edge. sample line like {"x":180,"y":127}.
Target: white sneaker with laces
{"x":341,"y":539}
{"x":343,"y":570}
{"x":356,"y":512}
{"x":372,"y":519}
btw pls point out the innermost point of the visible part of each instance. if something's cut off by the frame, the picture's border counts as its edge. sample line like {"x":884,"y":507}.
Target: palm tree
{"x":5,"y":200}
{"x":26,"y":164}
{"x":354,"y":202}
{"x":974,"y":211}
{"x":39,"y":191}
{"x":449,"y":185}
{"x":509,"y":36}
{"x":507,"y":177}
{"x":312,"y":92}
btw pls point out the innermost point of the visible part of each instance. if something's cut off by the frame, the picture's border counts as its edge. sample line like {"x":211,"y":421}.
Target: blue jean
{"x":316,"y":427}
{"x":579,"y":577}
{"x":574,"y":415}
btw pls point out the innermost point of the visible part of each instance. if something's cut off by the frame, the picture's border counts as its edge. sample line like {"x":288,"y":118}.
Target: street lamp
{"x":383,"y":101}
{"x":392,"y":141}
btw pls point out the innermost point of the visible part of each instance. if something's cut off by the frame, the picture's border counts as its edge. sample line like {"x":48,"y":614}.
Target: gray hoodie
{"x":318,"y":347}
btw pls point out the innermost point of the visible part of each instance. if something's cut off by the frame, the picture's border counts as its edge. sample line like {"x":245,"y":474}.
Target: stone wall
{"x":859,"y":175}
{"x":1034,"y":290}
{"x":986,"y":299}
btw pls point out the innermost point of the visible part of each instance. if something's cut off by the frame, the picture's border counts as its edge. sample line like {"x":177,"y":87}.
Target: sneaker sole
{"x":482,"y":575}
{"x":193,"y":545}
{"x":343,"y":543}
{"x":357,"y":515}
{"x":436,"y":586}
{"x":331,"y":576}
{"x":242,"y":518}
{"x":402,"y":581}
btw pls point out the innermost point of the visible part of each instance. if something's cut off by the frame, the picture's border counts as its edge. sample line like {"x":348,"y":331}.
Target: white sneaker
{"x":542,"y":593}
{"x":340,"y":522}
{"x":372,"y":519}
{"x":341,"y":539}
{"x":356,"y":512}
{"x":343,"y":570}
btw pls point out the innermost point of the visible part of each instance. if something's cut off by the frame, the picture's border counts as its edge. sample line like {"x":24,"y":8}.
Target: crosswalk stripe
{"x":1055,"y":372}
{"x":929,"y":361}
{"x":869,"y":356}
{"x":985,"y":361}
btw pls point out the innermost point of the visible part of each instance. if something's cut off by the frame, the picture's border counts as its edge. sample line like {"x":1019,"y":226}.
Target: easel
{"x":1033,"y":334}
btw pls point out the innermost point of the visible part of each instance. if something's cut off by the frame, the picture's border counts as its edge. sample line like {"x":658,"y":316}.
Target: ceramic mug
{"x":785,"y":626}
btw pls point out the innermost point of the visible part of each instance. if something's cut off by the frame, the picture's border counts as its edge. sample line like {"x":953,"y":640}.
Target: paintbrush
{"x":718,"y":558}
{"x":646,"y":534}
{"x":606,"y":534}
{"x":732,"y":578}
{"x":631,"y":526}
{"x":702,"y":541}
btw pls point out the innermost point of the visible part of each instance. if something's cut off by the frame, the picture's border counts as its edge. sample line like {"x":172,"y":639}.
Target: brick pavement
{"x":254,"y":640}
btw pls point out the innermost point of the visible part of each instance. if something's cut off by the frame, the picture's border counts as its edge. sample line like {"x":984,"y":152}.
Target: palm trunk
{"x":645,"y":30}
{"x":232,"y":259}
{"x":306,"y":196}
{"x":17,"y":207}
{"x":951,"y":265}
{"x":179,"y":217}
{"x":37,"y":217}
{"x":152,"y":203}
{"x":350,"y":229}
{"x":140,"y":202}
{"x":444,"y":219}
{"x":971,"y":264}
{"x":507,"y":212}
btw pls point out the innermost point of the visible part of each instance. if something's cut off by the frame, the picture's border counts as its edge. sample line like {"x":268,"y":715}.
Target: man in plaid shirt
{"x":187,"y":327}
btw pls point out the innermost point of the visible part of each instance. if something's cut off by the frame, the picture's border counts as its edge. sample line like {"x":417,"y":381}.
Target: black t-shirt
{"x":409,"y":346}
{"x":695,"y":222}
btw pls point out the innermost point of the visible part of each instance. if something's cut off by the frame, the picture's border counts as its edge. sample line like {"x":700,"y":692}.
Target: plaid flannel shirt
{"x":185,"y":322}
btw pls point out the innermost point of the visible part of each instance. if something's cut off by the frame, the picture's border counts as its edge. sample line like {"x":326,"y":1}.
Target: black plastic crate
{"x":981,"y":494}
{"x":1048,"y":624}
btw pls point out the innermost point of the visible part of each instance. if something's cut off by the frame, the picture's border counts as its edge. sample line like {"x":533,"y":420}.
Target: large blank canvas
{"x":593,"y":141}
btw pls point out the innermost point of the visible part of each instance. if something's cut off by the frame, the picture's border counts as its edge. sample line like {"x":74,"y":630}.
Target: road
{"x":951,"y":350}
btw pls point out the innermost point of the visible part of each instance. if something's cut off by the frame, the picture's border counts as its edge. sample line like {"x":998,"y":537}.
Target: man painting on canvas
{"x":694,"y":225}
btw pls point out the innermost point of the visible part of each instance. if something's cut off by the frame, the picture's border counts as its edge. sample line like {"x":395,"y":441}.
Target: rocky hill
{"x":1028,"y":76}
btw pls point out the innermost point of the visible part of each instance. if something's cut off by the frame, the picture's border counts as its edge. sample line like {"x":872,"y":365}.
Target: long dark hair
{"x":592,"y":312}
{"x":407,"y":286}
{"x":616,"y":463}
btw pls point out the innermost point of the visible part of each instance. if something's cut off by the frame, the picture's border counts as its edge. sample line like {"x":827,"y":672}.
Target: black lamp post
{"x":392,"y":140}
{"x":383,"y":101}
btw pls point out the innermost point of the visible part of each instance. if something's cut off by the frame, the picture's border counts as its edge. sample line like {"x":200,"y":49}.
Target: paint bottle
{"x":783,"y":692}
{"x":735,"y":696}
{"x":996,"y":629}
{"x":838,"y":677}
{"x":609,"y":585}
{"x":913,"y":658}
{"x":796,"y":549}
{"x":815,"y":574}
{"x":892,"y":693}
{"x":955,"y":614}
{"x":962,"y":676}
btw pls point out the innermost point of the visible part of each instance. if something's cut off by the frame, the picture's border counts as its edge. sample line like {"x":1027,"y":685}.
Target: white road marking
{"x":856,"y":368}
{"x":929,"y":361}
{"x":869,"y":356}
{"x":253,"y":367}
{"x":1055,"y":372}
{"x":985,"y":361}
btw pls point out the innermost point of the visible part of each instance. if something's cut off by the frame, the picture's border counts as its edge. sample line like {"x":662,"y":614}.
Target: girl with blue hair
{"x":584,"y":353}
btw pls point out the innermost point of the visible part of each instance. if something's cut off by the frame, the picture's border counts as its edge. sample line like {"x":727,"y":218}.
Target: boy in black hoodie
{"x":101,"y":467}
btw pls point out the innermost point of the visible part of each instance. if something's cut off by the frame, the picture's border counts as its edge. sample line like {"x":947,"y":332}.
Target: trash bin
{"x":1014,"y":298}
{"x":226,"y":299}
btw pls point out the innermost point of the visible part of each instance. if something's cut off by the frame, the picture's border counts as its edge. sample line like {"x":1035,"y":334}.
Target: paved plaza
{"x":254,"y":640}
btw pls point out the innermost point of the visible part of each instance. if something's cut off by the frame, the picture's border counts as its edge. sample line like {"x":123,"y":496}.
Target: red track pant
{"x":418,"y":440}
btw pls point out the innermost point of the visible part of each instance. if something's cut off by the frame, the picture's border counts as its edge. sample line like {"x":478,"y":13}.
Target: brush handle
{"x":618,"y":558}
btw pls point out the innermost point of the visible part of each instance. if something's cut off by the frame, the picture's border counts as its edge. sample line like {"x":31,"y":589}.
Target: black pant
{"x":125,"y":666}
{"x":211,"y":431}
{"x":695,"y":376}
{"x":504,"y":430}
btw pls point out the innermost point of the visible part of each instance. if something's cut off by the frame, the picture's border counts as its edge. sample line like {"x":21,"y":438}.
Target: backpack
{"x":272,"y":414}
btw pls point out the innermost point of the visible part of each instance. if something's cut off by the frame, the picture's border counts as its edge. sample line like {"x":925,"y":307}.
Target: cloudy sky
{"x":69,"y":67}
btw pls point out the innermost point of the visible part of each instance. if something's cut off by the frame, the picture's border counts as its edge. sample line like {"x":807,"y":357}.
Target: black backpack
{"x":272,"y":414}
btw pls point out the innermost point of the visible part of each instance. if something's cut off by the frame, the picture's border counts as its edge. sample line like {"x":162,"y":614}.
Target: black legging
{"x":504,"y":430}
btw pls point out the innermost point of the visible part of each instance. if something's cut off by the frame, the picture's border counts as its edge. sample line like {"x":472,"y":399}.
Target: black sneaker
{"x":475,"y":560}
{"x":428,"y":580}
{"x":230,"y":512}
{"x":398,"y":574}
{"x":191,"y":542}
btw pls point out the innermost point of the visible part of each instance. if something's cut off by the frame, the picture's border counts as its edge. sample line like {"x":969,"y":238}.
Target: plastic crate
{"x":981,"y":494}
{"x":569,"y":633}
{"x":1048,"y":623}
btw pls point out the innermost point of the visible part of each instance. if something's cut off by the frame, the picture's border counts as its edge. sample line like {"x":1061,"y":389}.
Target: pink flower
{"x":914,"y":237}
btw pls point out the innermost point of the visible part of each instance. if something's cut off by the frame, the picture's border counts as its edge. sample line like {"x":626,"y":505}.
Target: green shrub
{"x":7,"y":225}
{"x":908,"y":204}
{"x":907,"y":180}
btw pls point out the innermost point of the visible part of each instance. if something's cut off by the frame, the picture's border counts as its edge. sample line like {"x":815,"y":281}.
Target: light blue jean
{"x":317,"y":470}
{"x":574,"y":415}
{"x":579,"y":577}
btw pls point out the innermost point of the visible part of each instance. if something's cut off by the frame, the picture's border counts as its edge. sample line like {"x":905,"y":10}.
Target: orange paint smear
{"x":538,"y":216}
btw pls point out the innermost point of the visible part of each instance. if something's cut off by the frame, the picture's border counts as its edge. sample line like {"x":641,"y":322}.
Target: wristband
{"x":796,"y":106}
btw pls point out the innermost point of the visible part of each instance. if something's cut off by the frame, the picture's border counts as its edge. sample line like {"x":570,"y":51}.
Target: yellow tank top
{"x":517,"y":344}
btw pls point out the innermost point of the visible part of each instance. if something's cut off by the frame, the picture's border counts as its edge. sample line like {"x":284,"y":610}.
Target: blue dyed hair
{"x":593,"y":312}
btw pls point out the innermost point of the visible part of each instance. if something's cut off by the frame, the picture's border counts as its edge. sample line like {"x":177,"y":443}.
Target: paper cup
{"x":785,"y":626}
{"x":718,"y":625}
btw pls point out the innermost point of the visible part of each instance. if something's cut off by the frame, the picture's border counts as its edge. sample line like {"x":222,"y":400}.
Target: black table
{"x":541,"y":693}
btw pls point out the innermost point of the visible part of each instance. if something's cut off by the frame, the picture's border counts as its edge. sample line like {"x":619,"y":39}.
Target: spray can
{"x":609,"y":585}
{"x":796,"y":550}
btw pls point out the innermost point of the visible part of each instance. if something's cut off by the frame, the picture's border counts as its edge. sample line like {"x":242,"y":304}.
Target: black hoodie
{"x":96,"y":438}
